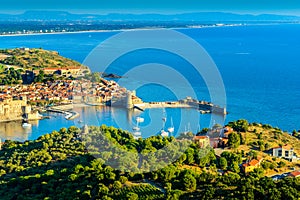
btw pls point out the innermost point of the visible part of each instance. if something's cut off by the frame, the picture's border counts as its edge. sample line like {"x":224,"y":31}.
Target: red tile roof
{"x":253,"y":162}
{"x":295,"y":174}
{"x":201,"y":137}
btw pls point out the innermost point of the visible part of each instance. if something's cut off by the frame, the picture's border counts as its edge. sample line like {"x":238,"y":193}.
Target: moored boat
{"x":26,"y":125}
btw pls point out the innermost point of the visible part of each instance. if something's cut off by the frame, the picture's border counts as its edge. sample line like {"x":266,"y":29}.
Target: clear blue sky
{"x":154,"y":6}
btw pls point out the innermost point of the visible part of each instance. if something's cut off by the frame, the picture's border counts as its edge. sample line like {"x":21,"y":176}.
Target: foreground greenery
{"x":60,"y":166}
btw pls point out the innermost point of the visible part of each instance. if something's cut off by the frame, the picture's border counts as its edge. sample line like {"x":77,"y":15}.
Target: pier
{"x":203,"y":106}
{"x":130,"y":101}
{"x":69,"y":115}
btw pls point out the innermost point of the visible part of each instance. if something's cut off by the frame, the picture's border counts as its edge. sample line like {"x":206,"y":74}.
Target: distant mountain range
{"x":196,"y":17}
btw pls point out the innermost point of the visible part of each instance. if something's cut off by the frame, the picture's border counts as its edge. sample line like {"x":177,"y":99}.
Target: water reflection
{"x":15,"y":131}
{"x":183,"y":120}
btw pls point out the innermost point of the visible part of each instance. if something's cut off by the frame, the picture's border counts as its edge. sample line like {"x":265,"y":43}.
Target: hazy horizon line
{"x":80,"y":12}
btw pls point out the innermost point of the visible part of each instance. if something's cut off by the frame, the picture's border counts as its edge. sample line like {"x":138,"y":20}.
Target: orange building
{"x":251,"y":165}
{"x":202,"y":141}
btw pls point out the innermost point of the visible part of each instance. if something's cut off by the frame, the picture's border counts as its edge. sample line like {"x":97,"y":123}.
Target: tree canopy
{"x":61,"y":166}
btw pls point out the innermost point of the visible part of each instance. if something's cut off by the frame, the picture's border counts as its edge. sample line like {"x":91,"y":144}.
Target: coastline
{"x":76,"y":32}
{"x":121,"y":30}
{"x":140,"y":29}
{"x":63,"y":108}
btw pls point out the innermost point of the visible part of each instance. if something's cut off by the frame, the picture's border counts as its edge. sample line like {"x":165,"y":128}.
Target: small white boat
{"x":171,"y":128}
{"x":140,"y":119}
{"x":137,"y":137}
{"x":137,"y":133}
{"x":26,"y":125}
{"x":68,"y":116}
{"x":136,"y":128}
{"x":164,"y":133}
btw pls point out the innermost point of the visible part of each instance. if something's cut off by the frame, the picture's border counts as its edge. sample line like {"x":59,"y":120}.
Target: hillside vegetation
{"x":67,"y":165}
{"x":261,"y":139}
{"x":264,"y":137}
{"x":33,"y":59}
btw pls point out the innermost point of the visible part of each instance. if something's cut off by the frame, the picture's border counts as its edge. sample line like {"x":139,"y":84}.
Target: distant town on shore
{"x":34,"y":79}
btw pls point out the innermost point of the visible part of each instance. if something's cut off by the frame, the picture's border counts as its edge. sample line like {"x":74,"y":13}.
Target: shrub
{"x":281,"y":164}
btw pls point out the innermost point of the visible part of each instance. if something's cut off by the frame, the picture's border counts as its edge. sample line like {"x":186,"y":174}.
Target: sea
{"x":259,"y":66}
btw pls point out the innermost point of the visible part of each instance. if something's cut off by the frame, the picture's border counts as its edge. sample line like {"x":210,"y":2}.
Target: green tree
{"x":234,"y":140}
{"x":234,"y":166}
{"x":203,"y":131}
{"x":240,"y":125}
{"x":117,"y":185}
{"x":189,"y":182}
{"x":295,"y":133}
{"x":190,"y":156}
{"x":223,"y":163}
{"x":281,"y":164}
{"x":132,"y":196}
{"x":208,"y":193}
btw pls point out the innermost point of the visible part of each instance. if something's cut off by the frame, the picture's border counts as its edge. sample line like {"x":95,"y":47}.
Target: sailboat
{"x":171,"y":128}
{"x":162,"y":131}
{"x":164,"y":118}
{"x":188,"y":129}
{"x":137,"y":128}
{"x":185,"y":131}
{"x":140,"y":119}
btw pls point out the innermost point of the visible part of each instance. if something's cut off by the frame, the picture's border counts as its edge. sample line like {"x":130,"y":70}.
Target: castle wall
{"x":13,"y":109}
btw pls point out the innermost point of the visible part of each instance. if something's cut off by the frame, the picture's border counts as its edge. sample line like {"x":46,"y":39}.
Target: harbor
{"x":182,"y":120}
{"x":131,"y":101}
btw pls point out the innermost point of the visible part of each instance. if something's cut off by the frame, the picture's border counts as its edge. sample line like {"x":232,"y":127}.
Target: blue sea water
{"x":259,"y":65}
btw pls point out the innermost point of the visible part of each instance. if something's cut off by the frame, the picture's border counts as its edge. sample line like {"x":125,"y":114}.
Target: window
{"x":279,"y":153}
{"x":286,"y":153}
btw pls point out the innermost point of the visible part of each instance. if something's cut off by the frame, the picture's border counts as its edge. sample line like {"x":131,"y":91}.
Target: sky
{"x":154,"y":6}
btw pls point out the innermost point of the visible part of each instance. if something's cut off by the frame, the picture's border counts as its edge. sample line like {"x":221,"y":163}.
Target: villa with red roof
{"x":251,"y":165}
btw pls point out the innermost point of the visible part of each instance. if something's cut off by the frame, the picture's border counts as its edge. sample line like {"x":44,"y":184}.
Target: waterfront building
{"x":16,"y":109}
{"x":126,"y":100}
